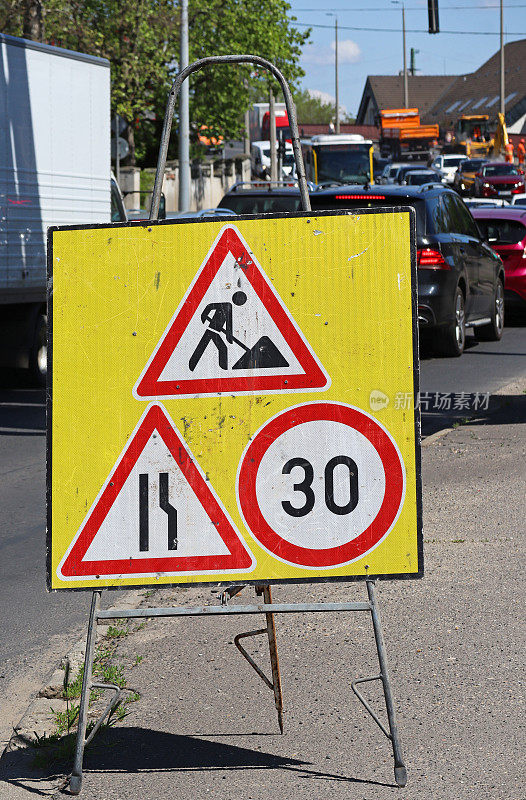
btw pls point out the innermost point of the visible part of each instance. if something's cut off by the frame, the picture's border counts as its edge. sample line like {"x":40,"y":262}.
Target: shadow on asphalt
{"x":135,"y":750}
{"x":501,"y":409}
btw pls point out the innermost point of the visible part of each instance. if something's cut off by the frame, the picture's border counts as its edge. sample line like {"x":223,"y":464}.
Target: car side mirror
{"x":521,"y":172}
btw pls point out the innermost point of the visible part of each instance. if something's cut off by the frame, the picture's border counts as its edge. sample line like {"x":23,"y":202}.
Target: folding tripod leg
{"x":270,"y":630}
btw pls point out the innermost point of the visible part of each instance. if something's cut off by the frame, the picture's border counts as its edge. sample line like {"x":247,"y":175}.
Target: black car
{"x":460,"y":277}
{"x":258,"y":197}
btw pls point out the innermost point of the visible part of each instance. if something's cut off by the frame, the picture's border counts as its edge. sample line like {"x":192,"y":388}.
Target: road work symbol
{"x":263,"y":355}
{"x":157,"y":514}
{"x":231,"y":334}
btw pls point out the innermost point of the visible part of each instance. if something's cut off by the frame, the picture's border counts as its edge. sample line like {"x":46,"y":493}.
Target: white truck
{"x":54,"y":170}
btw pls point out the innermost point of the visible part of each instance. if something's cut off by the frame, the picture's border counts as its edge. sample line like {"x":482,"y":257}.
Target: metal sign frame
{"x":267,"y":607}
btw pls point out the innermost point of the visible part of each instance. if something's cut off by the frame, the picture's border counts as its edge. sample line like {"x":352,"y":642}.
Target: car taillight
{"x":427,"y":258}
{"x":360,"y":197}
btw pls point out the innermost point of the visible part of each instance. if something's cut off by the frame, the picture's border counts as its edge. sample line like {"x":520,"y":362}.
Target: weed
{"x":110,"y":673}
{"x":149,"y":593}
{"x":114,"y":632}
{"x":73,"y":689}
{"x":140,"y":626}
{"x":458,"y":541}
{"x":138,"y":660}
{"x":64,"y":719}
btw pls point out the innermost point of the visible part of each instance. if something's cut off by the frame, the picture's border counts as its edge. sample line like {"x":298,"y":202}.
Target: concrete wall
{"x":209,"y":182}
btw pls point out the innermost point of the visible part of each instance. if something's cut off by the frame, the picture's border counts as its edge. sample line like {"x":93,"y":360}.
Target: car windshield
{"x":419,"y":178}
{"x":502,"y":231}
{"x":500,"y":169}
{"x":264,"y":203}
{"x":473,"y":165}
{"x":343,"y":163}
{"x":453,"y":161}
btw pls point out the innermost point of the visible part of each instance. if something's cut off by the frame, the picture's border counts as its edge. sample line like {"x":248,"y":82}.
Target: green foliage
{"x":312,"y":110}
{"x":141,"y":40}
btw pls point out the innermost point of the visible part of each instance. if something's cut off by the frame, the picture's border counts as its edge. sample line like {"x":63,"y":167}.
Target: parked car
{"x":447,"y":164}
{"x":518,"y":200}
{"x":505,"y":230}
{"x":460,"y":277}
{"x":417,"y":177}
{"x":464,"y":176}
{"x":499,"y":179}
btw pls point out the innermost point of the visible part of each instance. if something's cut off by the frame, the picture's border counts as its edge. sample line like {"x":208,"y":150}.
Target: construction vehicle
{"x":403,"y":137}
{"x":473,"y":136}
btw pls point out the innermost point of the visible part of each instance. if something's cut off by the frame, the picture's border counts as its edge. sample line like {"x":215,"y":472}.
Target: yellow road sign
{"x":234,"y":402}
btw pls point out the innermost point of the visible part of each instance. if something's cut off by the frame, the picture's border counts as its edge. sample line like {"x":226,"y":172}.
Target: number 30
{"x":306,"y":486}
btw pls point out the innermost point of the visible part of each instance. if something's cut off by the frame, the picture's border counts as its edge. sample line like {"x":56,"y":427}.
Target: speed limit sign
{"x":321,"y":485}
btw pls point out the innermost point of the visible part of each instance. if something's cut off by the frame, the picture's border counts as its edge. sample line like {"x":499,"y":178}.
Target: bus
{"x":344,"y":158}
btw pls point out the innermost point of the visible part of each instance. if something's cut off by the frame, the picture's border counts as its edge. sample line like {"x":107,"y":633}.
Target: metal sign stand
{"x":267,"y":607}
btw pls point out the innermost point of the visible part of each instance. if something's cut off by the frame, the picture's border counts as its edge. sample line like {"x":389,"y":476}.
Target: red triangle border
{"x":239,"y":559}
{"x":313,"y":377}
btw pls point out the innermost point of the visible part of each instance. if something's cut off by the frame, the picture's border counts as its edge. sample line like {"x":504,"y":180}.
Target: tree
{"x":220,"y":96}
{"x":141,"y":40}
{"x":313,"y":110}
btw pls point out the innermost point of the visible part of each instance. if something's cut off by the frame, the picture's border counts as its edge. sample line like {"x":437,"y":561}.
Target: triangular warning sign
{"x":231,"y":334}
{"x":156,"y":514}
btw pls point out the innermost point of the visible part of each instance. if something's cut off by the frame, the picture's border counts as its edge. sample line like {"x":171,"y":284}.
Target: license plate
{"x":505,"y":192}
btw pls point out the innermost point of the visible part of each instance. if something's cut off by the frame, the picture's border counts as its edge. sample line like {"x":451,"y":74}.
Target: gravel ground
{"x":206,"y":726}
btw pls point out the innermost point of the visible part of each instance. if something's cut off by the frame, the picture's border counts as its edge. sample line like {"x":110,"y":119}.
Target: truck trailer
{"x":54,"y":170}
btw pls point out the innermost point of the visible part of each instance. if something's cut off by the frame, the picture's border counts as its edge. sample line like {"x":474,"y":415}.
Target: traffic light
{"x":432,"y":12}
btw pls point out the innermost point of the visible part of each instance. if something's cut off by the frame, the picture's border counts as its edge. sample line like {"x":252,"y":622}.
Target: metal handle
{"x":168,"y":118}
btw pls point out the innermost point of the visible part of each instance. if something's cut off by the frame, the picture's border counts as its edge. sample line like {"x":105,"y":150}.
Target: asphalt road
{"x":36,"y":627}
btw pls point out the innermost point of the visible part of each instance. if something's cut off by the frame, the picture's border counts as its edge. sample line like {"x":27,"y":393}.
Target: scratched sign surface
{"x":233,"y":402}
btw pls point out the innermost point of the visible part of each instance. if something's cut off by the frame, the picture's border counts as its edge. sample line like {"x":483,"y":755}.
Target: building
{"x":479,"y":92}
{"x":443,"y":98}
{"x":387,"y":91}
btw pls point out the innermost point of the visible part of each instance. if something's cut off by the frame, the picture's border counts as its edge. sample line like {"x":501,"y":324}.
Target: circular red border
{"x":333,"y":556}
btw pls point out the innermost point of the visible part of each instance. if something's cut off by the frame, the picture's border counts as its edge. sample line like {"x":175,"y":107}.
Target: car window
{"x":118,"y":213}
{"x":502,"y":231}
{"x":520,"y":202}
{"x":437,"y":216}
{"x":261,"y":204}
{"x":453,"y":161}
{"x":460,"y":219}
{"x":500,"y":169}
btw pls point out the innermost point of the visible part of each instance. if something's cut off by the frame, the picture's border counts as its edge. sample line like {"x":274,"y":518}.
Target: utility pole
{"x":336,"y":93}
{"x":337,"y":123}
{"x":502,"y":88}
{"x":406,"y":93}
{"x":273,"y":147}
{"x":184,"y":117}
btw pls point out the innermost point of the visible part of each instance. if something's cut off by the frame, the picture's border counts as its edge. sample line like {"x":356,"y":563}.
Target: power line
{"x":342,"y":10}
{"x":408,"y":30}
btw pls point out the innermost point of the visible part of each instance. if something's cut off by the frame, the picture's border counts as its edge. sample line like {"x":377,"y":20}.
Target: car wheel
{"x":452,"y":339}
{"x":38,"y":352}
{"x":492,"y":332}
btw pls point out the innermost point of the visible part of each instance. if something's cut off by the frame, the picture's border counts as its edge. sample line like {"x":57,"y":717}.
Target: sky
{"x":455,"y":51}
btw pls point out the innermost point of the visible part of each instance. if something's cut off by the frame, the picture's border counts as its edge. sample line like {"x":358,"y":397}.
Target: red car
{"x":498,"y":179}
{"x":505,"y":230}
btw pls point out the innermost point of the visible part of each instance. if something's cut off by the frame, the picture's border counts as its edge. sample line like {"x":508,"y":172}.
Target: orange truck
{"x":403,"y":137}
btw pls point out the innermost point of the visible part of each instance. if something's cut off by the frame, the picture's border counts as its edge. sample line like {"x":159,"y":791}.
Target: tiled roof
{"x":422,"y":90}
{"x":479,"y":92}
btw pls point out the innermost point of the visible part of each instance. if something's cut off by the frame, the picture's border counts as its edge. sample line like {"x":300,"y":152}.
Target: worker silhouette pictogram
{"x":219,"y":316}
